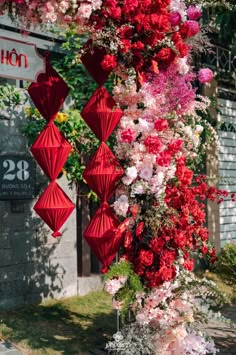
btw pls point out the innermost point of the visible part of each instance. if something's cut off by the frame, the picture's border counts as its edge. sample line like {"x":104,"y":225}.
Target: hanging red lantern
{"x":51,"y":150}
{"x":54,"y":207}
{"x":102,"y":172}
{"x":101,"y":114}
{"x":92,"y":58}
{"x":49,"y":92}
{"x":103,"y":235}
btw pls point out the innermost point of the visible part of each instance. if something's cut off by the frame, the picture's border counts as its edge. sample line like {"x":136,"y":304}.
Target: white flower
{"x":132,"y":172}
{"x":121,"y":205}
{"x":146,"y":173}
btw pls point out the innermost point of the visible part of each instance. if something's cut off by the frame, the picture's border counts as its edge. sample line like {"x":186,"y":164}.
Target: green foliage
{"x":226,"y":20}
{"x":69,"y":66}
{"x":226,"y":264}
{"x":127,"y":294}
{"x":9,"y":97}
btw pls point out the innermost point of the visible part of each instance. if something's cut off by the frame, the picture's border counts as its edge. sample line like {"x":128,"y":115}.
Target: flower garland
{"x":148,"y":44}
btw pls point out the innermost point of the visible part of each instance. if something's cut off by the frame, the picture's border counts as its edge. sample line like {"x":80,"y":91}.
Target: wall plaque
{"x":20,"y":60}
{"x":17,"y":177}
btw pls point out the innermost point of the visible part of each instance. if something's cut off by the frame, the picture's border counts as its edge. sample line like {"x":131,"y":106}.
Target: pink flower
{"x":205,"y":75}
{"x":146,"y":173}
{"x":194,"y":12}
{"x":189,"y":28}
{"x":175,"y":18}
{"x":128,"y":135}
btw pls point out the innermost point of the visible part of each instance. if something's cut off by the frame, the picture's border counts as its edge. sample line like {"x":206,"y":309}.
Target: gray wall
{"x":33,"y":265}
{"x":227,"y":169}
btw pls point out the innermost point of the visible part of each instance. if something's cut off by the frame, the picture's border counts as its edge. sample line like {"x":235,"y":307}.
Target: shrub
{"x":226,"y":264}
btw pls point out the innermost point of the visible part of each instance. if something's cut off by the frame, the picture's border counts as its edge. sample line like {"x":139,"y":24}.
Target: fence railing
{"x":221,"y":59}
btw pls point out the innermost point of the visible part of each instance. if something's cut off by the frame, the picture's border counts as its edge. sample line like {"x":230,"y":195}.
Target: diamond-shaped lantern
{"x":101,"y":114}
{"x":102,"y":172}
{"x":92,"y":58}
{"x":49,"y":92}
{"x":103,"y":234}
{"x":51,"y":150}
{"x":54,"y":207}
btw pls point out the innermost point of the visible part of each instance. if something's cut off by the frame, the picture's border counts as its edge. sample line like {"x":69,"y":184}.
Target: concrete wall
{"x":33,"y":265}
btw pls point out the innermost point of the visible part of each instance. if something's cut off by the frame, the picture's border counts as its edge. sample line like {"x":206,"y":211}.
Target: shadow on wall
{"x":29,"y":267}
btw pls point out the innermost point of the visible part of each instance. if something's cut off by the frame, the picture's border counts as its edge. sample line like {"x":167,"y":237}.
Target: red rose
{"x":109,"y":62}
{"x":189,"y":264}
{"x":167,"y":273}
{"x":146,"y":257}
{"x":167,"y":257}
{"x":165,"y":55}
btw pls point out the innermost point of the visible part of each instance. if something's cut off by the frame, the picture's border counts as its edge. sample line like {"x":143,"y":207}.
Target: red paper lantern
{"x":49,"y":92}
{"x":92,"y":58}
{"x":54,"y":207}
{"x":100,"y":114}
{"x":51,"y":150}
{"x":102,"y":172}
{"x":103,"y":235}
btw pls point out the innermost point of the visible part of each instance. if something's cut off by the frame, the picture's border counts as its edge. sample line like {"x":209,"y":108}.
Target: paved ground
{"x":224,"y":334}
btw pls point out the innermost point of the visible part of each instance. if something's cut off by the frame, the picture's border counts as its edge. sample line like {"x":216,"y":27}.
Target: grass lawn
{"x":69,"y":326}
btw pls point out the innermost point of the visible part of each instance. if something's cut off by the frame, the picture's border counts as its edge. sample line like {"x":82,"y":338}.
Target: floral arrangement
{"x":168,"y":319}
{"x":148,"y":44}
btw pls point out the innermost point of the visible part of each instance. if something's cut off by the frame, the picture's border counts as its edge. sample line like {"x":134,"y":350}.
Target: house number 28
{"x":15,"y":170}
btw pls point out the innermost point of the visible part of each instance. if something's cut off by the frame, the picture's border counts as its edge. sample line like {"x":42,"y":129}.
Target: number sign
{"x":17,"y":178}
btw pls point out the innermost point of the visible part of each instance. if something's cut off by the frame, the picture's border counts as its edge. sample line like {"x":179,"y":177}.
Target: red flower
{"x":189,"y":264}
{"x":157,"y":245}
{"x":167,"y":273}
{"x":109,"y":62}
{"x":161,"y":125}
{"x":204,"y":249}
{"x":146,"y":257}
{"x":153,"y":144}
{"x":165,"y":55}
{"x":184,"y":175}
{"x":167,"y":257}
{"x":164,"y":158}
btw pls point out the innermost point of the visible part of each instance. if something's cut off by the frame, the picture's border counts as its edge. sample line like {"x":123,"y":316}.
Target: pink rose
{"x":175,"y":18}
{"x":194,"y":12}
{"x":189,"y":28}
{"x":205,"y":75}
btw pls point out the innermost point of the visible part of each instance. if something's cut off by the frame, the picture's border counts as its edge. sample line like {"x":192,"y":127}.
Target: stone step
{"x":7,"y":348}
